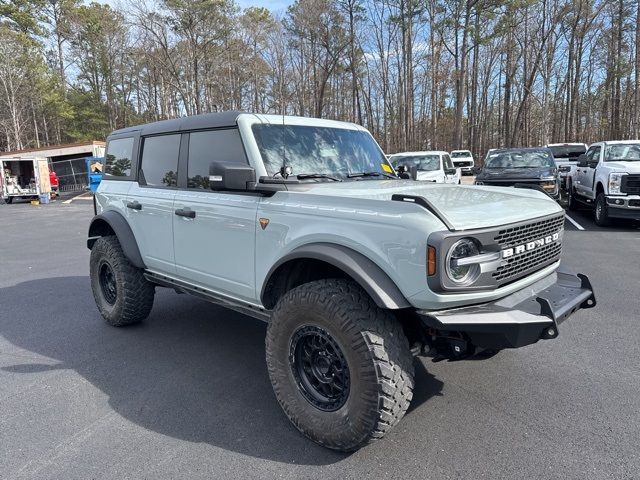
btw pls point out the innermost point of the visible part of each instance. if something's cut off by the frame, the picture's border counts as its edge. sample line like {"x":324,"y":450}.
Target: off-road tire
{"x":133,"y":293}
{"x":601,"y":212}
{"x":376,"y":350}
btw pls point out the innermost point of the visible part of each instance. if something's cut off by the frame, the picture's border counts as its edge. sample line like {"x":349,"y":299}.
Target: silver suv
{"x":304,"y":224}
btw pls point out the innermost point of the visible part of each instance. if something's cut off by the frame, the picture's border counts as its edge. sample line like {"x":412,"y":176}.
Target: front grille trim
{"x":531,"y":261}
{"x":630,"y":184}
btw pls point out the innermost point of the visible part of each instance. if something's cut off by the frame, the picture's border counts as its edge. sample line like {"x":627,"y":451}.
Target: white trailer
{"x":26,"y":178}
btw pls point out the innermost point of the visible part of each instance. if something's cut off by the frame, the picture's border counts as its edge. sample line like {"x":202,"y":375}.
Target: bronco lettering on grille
{"x":525,"y":247}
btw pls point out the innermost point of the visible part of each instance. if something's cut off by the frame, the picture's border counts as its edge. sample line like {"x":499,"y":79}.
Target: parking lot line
{"x":575,"y":224}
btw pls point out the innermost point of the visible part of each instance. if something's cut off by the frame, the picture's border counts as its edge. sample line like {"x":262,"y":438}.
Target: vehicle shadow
{"x":192,"y":371}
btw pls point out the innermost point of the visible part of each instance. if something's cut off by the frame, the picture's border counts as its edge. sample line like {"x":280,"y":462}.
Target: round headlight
{"x":462,"y":274}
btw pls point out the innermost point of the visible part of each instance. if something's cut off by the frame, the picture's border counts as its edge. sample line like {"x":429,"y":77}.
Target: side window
{"x":447,"y":162}
{"x":593,"y":155}
{"x":118,"y":158}
{"x":159,"y":166}
{"x":212,"y":146}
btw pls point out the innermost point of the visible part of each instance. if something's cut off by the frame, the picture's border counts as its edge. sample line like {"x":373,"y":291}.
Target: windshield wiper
{"x":371,"y":174}
{"x":303,"y":176}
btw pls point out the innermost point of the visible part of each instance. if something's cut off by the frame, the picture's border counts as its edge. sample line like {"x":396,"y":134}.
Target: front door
{"x":448,"y":164}
{"x":214,"y":232}
{"x":150,"y":201}
{"x":587,"y":174}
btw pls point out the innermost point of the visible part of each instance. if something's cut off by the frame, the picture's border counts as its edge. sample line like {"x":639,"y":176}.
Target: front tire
{"x":340,"y":366}
{"x":602,"y":211}
{"x":122,"y":294}
{"x":572,"y":203}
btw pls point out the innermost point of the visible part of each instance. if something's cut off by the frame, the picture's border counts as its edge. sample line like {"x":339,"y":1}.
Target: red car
{"x":55,"y":183}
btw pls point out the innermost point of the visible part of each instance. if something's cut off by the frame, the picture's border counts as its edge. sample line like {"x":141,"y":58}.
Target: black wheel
{"x":602,"y":211}
{"x":9,"y":200}
{"x":122,"y":294}
{"x":340,"y":366}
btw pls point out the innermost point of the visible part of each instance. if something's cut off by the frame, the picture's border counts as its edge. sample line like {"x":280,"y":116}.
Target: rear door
{"x":150,"y":201}
{"x":214,"y":232}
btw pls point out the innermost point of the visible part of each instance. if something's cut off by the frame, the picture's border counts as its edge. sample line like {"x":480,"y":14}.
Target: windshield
{"x":520,"y":159}
{"x":567,"y":152}
{"x":627,"y":152}
{"x":317,"y":151}
{"x":427,"y":163}
{"x":461,"y":154}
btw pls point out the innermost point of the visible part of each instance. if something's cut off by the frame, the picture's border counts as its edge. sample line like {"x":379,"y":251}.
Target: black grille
{"x":630,"y":184}
{"x":531,"y":231}
{"x":527,"y":261}
{"x":523,"y":263}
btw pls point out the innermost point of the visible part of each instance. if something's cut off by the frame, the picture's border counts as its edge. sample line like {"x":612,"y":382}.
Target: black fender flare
{"x":364,"y":271}
{"x":114,"y":221}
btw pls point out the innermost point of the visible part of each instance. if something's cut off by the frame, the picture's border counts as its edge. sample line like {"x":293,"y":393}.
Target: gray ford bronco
{"x":304,"y":224}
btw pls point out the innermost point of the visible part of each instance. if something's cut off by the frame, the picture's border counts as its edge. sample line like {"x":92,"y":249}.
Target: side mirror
{"x":476,"y":170}
{"x":582,"y":160}
{"x":231,"y":176}
{"x":413,"y":172}
{"x":450,"y":171}
{"x":407,"y":172}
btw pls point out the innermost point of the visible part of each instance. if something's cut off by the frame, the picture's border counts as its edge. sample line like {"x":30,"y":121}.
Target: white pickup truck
{"x":430,"y":166}
{"x":607,"y":178}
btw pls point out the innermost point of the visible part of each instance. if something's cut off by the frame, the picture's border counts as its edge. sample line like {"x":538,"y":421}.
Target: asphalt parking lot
{"x":186,"y":394}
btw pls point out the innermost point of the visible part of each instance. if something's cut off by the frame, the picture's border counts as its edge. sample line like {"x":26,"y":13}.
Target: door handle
{"x":134,"y":205}
{"x":185,"y":212}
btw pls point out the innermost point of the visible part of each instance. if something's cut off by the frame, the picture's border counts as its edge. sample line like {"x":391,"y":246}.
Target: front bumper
{"x":624,"y":206}
{"x":521,"y":318}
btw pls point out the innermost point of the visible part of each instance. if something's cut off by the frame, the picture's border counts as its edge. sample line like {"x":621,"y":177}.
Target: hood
{"x":628,"y":167}
{"x":430,"y":175}
{"x":515,"y":173}
{"x":464,"y":206}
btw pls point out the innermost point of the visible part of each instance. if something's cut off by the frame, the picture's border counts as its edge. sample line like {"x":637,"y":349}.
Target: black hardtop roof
{"x":196,"y":122}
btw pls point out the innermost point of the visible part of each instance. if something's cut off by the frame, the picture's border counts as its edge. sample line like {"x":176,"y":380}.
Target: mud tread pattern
{"x":135,"y":292}
{"x":381,"y":338}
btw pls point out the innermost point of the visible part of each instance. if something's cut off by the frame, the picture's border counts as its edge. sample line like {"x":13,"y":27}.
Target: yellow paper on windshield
{"x":386,"y":168}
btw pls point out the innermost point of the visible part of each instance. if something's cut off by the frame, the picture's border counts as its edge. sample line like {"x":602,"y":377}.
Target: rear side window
{"x":118,"y":158}
{"x":159,"y":166}
{"x":212,"y":146}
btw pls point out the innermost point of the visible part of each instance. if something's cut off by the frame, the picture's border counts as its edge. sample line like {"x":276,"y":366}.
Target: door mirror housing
{"x":476,"y":170}
{"x":450,"y":171}
{"x":231,"y":176}
{"x":582,"y":160}
{"x":407,"y":172}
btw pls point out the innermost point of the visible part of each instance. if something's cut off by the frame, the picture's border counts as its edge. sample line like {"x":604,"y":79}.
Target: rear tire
{"x":9,"y":200}
{"x":358,"y":384}
{"x":122,"y":294}
{"x":602,"y":211}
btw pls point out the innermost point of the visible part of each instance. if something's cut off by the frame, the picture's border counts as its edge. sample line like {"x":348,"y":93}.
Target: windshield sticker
{"x":386,"y":168}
